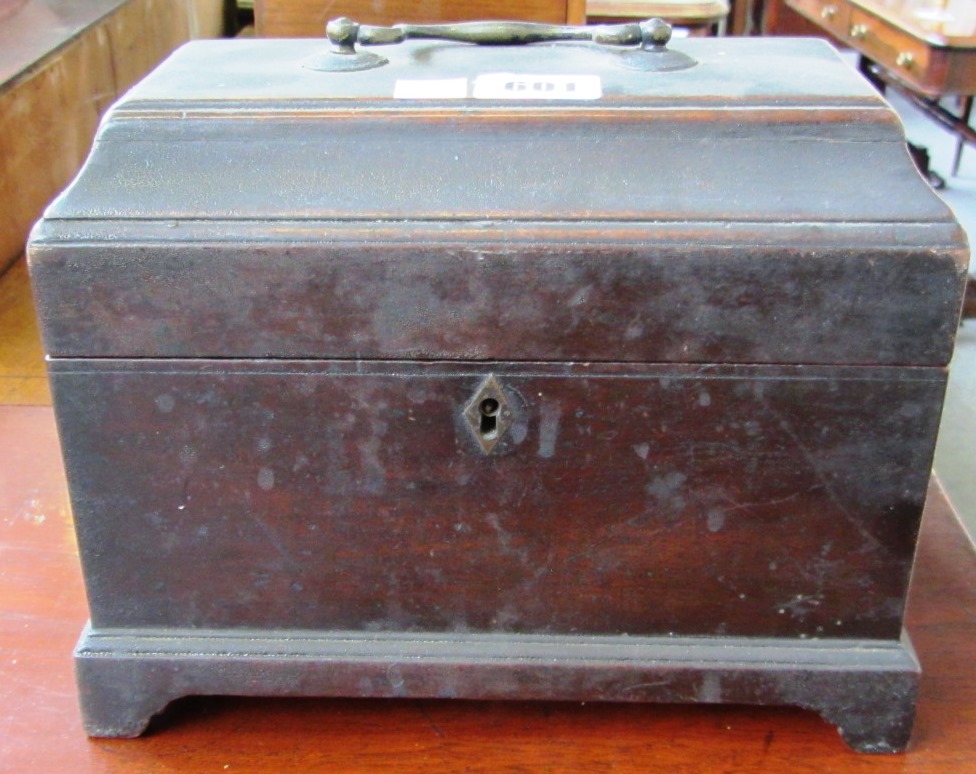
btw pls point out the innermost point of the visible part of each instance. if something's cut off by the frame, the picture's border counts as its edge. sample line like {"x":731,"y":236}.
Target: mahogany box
{"x":569,"y":371}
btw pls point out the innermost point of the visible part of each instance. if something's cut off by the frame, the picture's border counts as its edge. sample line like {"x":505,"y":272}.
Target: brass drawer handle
{"x":905,"y":60}
{"x":859,"y":31}
{"x":828,"y":12}
{"x":651,"y":37}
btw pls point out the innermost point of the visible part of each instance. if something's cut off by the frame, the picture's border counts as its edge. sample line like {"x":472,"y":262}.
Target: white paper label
{"x":450,"y":88}
{"x":523,"y":86}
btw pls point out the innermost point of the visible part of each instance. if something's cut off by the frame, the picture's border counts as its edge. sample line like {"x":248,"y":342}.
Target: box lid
{"x":757,"y":130}
{"x":771,"y":153}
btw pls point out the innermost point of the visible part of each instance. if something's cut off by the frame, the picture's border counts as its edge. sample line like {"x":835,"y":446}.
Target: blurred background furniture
{"x":926,"y":49}
{"x":699,"y":17}
{"x":775,"y":17}
{"x":307,"y":18}
{"x":62,"y":63}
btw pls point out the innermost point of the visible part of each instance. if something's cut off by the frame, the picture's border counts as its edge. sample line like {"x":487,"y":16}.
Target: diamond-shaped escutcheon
{"x":489,"y":414}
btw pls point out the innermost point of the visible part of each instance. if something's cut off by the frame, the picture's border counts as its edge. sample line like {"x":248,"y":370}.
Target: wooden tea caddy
{"x":600,"y":368}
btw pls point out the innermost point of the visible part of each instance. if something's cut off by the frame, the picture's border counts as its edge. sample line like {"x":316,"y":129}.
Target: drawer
{"x":901,"y":54}
{"x":832,"y":15}
{"x":587,"y":499}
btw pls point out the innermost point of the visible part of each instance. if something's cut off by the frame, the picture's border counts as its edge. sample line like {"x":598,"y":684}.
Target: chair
{"x":700,"y":17}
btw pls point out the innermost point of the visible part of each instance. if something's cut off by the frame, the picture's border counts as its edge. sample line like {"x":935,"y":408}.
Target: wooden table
{"x":42,"y":609}
{"x":930,"y":45}
{"x":924,"y":48}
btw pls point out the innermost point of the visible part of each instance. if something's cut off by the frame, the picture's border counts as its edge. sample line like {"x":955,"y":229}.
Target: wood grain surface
{"x":42,"y":609}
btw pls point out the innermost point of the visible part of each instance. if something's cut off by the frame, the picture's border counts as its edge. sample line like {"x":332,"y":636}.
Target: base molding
{"x":866,"y":688}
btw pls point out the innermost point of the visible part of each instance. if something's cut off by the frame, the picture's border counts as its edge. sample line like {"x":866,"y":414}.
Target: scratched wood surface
{"x":42,"y":609}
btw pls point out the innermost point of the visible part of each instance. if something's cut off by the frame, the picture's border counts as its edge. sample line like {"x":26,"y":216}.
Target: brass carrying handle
{"x":344,"y":34}
{"x":641,"y":45}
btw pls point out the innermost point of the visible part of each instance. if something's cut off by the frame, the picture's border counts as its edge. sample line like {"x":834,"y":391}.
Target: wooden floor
{"x":23,"y":380}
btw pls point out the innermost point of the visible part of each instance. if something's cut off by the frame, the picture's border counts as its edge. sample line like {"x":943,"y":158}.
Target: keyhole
{"x":489,"y":417}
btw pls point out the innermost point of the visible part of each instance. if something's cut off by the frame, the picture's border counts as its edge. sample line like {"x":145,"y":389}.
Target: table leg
{"x":867,"y":68}
{"x":920,"y":155}
{"x":741,"y":17}
{"x":967,"y":109}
